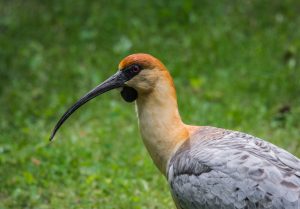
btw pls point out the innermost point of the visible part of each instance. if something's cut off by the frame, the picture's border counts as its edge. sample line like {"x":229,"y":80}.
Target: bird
{"x":206,"y":167}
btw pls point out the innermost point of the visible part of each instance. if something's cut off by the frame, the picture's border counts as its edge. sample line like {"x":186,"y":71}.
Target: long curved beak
{"x":115,"y":81}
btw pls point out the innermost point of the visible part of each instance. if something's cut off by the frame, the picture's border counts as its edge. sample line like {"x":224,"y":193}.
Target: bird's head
{"x":143,"y":71}
{"x":137,"y":75}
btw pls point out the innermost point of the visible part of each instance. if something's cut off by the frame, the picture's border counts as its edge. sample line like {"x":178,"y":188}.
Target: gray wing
{"x":218,"y":168}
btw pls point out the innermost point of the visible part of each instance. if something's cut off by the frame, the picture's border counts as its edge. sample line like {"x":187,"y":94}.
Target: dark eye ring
{"x":135,"y":68}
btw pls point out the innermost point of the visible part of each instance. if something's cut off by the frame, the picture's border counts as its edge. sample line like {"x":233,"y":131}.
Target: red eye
{"x":135,"y":68}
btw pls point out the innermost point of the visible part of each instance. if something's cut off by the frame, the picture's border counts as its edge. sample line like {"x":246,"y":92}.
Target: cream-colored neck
{"x":159,"y":121}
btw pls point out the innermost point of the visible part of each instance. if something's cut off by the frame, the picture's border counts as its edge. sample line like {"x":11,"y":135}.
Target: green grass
{"x":235,"y":65}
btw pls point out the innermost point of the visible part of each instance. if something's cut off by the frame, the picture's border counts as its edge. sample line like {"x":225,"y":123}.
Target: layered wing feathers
{"x":217,"y":168}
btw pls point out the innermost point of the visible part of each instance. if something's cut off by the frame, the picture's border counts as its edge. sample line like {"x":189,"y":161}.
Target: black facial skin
{"x":115,"y":81}
{"x":129,"y":94}
{"x":131,"y":71}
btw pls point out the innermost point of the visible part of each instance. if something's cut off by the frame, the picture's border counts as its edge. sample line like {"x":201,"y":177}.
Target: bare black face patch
{"x":131,"y":71}
{"x":129,"y":94}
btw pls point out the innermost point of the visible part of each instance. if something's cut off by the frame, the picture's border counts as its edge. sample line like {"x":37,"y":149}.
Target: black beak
{"x":115,"y":81}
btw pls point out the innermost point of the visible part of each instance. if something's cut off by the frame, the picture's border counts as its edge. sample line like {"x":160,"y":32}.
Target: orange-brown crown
{"x":144,"y":60}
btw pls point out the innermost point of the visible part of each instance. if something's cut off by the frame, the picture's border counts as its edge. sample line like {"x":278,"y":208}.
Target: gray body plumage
{"x":218,"y":168}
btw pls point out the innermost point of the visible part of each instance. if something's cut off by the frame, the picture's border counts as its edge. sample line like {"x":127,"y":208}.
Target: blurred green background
{"x":235,"y":65}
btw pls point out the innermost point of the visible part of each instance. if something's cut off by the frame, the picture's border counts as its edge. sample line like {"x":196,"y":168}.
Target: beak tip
{"x":51,"y":138}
